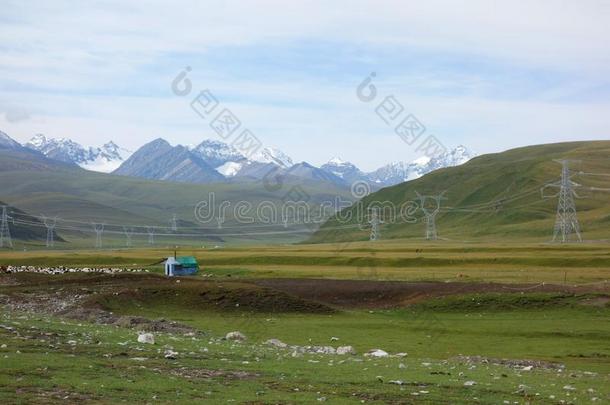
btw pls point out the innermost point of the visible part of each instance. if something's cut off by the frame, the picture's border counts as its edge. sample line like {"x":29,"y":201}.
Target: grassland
{"x":495,"y":197}
{"x":405,"y":260}
{"x":466,"y":340}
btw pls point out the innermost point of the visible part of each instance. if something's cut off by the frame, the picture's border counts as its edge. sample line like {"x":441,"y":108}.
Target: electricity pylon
{"x":99,"y":230}
{"x":431,"y":233}
{"x":220,"y":220}
{"x":128,"y":233}
{"x":151,"y":234}
{"x":375,"y":221}
{"x":174,"y":223}
{"x":50,"y":225}
{"x":5,"y":233}
{"x":566,"y":221}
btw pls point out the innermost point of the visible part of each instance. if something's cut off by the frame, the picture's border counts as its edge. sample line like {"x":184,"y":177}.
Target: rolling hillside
{"x":39,"y":185}
{"x":31,"y":230}
{"x":492,"y":197}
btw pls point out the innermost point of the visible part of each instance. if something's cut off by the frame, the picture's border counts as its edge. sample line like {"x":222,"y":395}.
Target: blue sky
{"x":488,"y":75}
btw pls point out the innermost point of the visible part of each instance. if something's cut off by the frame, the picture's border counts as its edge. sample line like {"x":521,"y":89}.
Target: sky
{"x":489,"y":75}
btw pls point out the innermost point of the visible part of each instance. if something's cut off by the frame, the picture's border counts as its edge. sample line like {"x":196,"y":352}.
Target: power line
{"x":431,"y":233}
{"x":174,"y":223}
{"x":128,"y":234}
{"x":50,"y":224}
{"x":566,"y":222}
{"x":220,"y":220}
{"x":594,"y":174}
{"x":98,"y":228}
{"x":151,"y":234}
{"x":5,"y":233}
{"x":375,"y":222}
{"x":293,"y":231}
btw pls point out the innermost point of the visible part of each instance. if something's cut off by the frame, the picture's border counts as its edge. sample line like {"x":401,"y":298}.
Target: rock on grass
{"x":147,"y":338}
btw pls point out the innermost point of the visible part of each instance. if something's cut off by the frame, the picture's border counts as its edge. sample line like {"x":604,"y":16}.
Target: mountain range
{"x":106,"y":158}
{"x":214,"y":161}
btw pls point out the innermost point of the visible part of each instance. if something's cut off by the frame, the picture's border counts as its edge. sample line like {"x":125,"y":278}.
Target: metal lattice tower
{"x":220,"y":220}
{"x":431,"y":232}
{"x":50,"y":225}
{"x":151,"y":234}
{"x":566,"y":222}
{"x":128,"y":234}
{"x":375,"y":221}
{"x":174,"y":223}
{"x":99,"y":230}
{"x":5,"y":233}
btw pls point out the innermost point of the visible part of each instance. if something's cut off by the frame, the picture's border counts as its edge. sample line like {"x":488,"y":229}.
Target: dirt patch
{"x":77,"y":304}
{"x":599,"y":302}
{"x":201,"y":373}
{"x":393,"y":294}
{"x":225,"y":296}
{"x":99,"y":316}
{"x":58,"y":395}
{"x":511,"y":363}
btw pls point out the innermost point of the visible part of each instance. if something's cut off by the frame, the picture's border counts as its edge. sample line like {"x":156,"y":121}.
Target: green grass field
{"x":518,"y":346}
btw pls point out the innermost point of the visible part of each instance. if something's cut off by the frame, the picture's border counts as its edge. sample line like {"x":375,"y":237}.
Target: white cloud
{"x":98,"y":72}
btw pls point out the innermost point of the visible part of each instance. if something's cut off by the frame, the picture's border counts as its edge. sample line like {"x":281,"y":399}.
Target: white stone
{"x":470,"y":383}
{"x":276,"y":343}
{"x":171,"y":355}
{"x":377,"y":353}
{"x":344,"y":350}
{"x":147,"y":338}
{"x":235,"y":336}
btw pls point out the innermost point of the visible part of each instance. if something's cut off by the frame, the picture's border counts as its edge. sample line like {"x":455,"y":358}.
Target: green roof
{"x":187,"y":260}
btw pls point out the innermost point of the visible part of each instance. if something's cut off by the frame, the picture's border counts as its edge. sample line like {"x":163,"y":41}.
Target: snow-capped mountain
{"x":105,"y":158}
{"x":399,"y":172}
{"x":159,"y":160}
{"x":216,"y":153}
{"x":230,"y":163}
{"x":272,"y":155}
{"x":394,"y":173}
{"x":344,"y":170}
{"x":213,"y":161}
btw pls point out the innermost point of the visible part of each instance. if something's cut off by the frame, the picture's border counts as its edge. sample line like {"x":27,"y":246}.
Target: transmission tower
{"x":431,"y":233}
{"x":5,"y":234}
{"x":50,"y":225}
{"x":128,"y":234}
{"x":220,"y":220}
{"x":566,"y":222}
{"x":174,"y":223}
{"x":375,"y":221}
{"x":151,"y":234}
{"x":99,"y":230}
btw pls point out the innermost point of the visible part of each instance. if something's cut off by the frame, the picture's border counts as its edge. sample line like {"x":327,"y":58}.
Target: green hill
{"x":78,"y":197}
{"x":31,"y":229}
{"x":492,"y":197}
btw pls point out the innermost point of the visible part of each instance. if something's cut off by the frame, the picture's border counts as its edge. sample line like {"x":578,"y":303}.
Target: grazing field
{"x":459,"y":324}
{"x":408,"y":260}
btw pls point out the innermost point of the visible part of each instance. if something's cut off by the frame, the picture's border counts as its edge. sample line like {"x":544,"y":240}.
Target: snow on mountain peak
{"x":230,"y":169}
{"x":424,"y":160}
{"x":103,"y":159}
{"x":273,"y":155}
{"x":337,"y":161}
